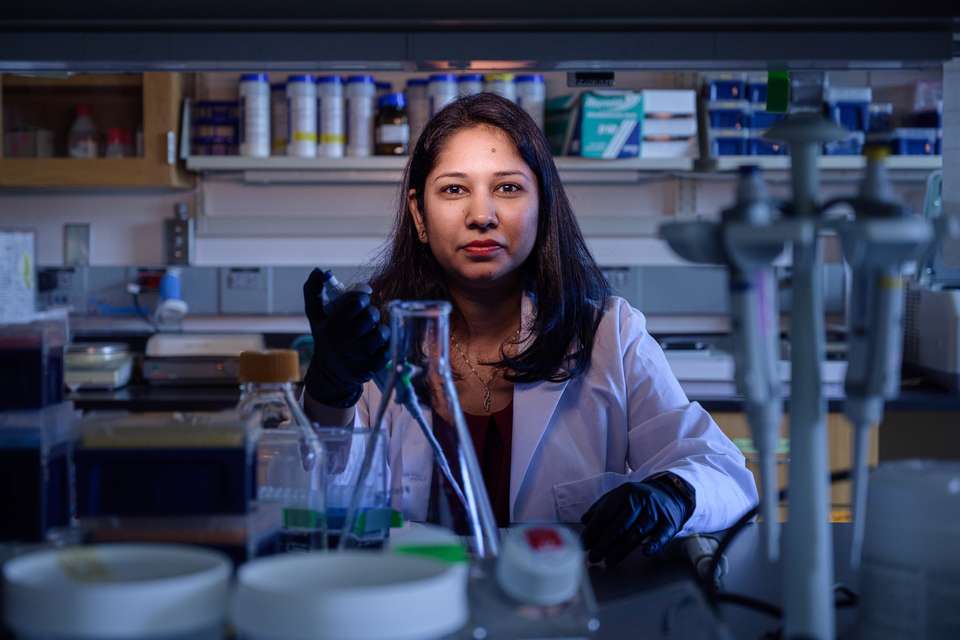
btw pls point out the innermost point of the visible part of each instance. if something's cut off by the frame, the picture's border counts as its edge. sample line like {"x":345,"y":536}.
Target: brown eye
{"x":452,"y":189}
{"x":510,"y":188}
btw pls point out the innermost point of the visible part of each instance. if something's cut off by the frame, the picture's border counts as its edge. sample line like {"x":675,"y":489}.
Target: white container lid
{"x":116,"y":591}
{"x":847,"y":94}
{"x":349,"y":596}
{"x":540,"y":564}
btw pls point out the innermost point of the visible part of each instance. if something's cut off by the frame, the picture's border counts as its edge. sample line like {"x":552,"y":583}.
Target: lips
{"x":482,"y":247}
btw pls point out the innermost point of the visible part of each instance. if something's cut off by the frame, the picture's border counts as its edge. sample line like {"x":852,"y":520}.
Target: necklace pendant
{"x":487,"y":400}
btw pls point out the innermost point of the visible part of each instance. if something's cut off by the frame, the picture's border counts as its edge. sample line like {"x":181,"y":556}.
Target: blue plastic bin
{"x":729,"y":142}
{"x":760,"y":119}
{"x":849,"y":106}
{"x":726,"y":89}
{"x":727,"y":114}
{"x":852,"y":146}
{"x":757,"y":92}
{"x":757,"y":146}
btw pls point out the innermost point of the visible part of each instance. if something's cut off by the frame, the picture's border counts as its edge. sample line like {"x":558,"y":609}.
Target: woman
{"x":585,"y":420}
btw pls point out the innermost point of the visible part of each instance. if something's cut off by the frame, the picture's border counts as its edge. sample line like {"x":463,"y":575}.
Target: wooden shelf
{"x":93,"y":172}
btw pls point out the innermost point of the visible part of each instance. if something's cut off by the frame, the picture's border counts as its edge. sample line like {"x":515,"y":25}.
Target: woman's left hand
{"x":645,"y":514}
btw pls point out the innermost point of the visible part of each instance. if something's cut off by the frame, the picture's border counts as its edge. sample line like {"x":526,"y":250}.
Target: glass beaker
{"x":420,"y":379}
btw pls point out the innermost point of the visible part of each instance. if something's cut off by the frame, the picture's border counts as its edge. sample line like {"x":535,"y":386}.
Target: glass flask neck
{"x":422,"y":330}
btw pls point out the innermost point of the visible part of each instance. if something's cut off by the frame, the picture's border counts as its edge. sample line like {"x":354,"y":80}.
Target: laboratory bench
{"x":144,"y":397}
{"x":661,"y":598}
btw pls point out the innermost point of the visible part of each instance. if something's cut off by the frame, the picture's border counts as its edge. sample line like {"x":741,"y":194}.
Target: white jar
{"x":532,"y":96}
{"x":254,"y":115}
{"x":331,"y":117}
{"x":418,"y":108}
{"x":442,"y":90}
{"x":361,"y":114}
{"x":470,"y":84}
{"x":279,"y":118}
{"x":302,"y":98}
{"x":502,"y":85}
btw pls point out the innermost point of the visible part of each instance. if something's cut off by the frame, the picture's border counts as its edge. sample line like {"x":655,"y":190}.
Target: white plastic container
{"x":911,"y":567}
{"x":118,"y":591}
{"x":442,"y":90}
{"x":350,"y":595}
{"x":532,"y":96}
{"x":501,"y":84}
{"x":331,"y":117}
{"x":279,"y":118}
{"x":82,"y":139}
{"x":254,"y":115}
{"x":418,"y":108}
{"x":361,"y":115}
{"x":470,"y":84}
{"x":302,"y":98}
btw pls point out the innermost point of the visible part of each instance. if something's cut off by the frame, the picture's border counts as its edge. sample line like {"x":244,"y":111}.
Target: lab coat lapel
{"x":533,"y":407}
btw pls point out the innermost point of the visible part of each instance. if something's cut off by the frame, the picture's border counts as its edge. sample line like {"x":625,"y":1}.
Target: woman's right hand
{"x":349,"y":343}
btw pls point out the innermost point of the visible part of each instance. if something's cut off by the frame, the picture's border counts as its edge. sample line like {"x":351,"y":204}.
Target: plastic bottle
{"x":532,"y":96}
{"x":469,"y":84}
{"x":442,"y":90}
{"x":279,"y":118}
{"x":393,"y":130}
{"x":254,"y":115}
{"x":302,"y":101}
{"x":291,"y":459}
{"x":418,"y":108}
{"x":331,"y":124}
{"x":116,"y":143}
{"x":82,"y":140}
{"x":361,"y":111}
{"x":383,"y":88}
{"x":502,"y":85}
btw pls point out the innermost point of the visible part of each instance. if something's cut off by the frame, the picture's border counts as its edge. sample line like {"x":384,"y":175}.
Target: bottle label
{"x":393,"y":134}
{"x":84,"y":148}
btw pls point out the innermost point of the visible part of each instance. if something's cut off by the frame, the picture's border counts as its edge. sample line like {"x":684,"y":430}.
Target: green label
{"x":294,"y":518}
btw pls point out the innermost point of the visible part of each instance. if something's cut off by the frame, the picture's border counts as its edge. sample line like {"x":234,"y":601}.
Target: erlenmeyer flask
{"x":420,"y":379}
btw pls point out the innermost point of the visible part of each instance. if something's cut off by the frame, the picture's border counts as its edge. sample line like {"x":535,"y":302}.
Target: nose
{"x":482,"y":213}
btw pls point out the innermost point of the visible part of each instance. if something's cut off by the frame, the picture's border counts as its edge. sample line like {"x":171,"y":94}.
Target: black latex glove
{"x":349,"y":343}
{"x":645,"y":514}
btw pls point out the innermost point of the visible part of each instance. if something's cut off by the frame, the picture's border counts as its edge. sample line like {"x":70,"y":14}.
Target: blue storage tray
{"x":757,"y":92}
{"x":852,"y":146}
{"x":854,"y":116}
{"x":761,"y":147}
{"x":728,"y":115}
{"x":729,"y":145}
{"x":726,"y":89}
{"x":763,"y":119}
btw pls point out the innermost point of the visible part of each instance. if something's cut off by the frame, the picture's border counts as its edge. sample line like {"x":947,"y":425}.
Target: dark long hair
{"x":566,"y":284}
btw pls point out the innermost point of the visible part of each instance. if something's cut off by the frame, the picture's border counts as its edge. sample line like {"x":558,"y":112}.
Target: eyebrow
{"x":498,"y":174}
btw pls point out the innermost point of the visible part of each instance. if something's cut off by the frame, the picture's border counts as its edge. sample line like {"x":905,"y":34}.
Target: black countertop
{"x":139,"y":397}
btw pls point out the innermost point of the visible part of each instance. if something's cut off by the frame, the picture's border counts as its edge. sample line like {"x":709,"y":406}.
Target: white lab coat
{"x":624,"y":419}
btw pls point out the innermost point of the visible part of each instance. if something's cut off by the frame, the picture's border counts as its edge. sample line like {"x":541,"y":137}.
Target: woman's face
{"x":481,"y":208}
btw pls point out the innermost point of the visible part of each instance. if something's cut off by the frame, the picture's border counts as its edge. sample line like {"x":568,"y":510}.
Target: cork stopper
{"x":271,"y":366}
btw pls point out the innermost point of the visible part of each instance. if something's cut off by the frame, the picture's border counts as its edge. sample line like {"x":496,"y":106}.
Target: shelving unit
{"x":281,"y":169}
{"x":148,"y":101}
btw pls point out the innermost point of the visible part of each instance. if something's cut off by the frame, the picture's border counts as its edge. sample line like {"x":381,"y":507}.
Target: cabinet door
{"x":839,"y":441}
{"x":150,"y":101}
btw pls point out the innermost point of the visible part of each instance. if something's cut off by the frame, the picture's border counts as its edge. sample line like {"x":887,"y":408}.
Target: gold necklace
{"x":487,"y":391}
